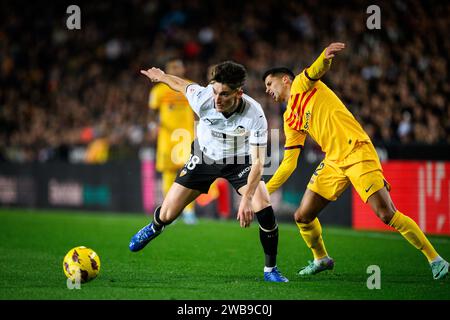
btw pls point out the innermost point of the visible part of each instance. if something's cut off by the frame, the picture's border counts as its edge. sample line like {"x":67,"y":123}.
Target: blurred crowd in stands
{"x":65,"y":89}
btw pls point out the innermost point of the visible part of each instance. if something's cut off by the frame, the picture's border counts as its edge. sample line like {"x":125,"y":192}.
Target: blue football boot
{"x":275,"y":276}
{"x":143,"y":237}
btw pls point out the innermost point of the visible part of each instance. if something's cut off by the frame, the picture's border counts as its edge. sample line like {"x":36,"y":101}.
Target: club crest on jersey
{"x":183,"y":172}
{"x":307,"y":118}
{"x":239,"y":130}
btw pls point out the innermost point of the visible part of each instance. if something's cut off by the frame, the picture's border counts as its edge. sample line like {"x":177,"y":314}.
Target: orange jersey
{"x":174,"y":109}
{"x":175,"y":113}
{"x":315,"y":110}
{"x":321,"y":114}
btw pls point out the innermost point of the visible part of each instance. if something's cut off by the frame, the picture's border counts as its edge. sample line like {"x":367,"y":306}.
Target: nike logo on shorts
{"x":367,"y":190}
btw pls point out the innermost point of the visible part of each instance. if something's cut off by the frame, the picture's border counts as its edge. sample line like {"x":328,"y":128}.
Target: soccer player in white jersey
{"x":231,"y":143}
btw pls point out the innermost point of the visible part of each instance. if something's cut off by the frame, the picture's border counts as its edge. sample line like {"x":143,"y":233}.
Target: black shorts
{"x":201,"y":171}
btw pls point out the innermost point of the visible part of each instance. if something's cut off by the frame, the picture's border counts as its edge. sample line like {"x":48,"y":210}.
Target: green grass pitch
{"x":212,"y":260}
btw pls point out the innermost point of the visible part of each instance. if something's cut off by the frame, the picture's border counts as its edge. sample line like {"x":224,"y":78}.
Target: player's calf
{"x":268,"y":235}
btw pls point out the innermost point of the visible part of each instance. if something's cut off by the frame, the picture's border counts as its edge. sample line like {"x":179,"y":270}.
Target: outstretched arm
{"x":322,"y":64}
{"x":157,"y":75}
{"x":294,"y":143}
{"x":285,"y":170}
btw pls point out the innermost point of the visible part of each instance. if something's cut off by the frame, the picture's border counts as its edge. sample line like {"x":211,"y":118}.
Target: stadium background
{"x":65,"y":92}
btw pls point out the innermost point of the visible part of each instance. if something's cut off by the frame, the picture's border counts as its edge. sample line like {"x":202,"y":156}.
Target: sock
{"x":268,"y":235}
{"x":157,"y":223}
{"x":438,"y":258}
{"x":411,"y":232}
{"x":268,"y":269}
{"x":312,"y":235}
{"x":319,"y":261}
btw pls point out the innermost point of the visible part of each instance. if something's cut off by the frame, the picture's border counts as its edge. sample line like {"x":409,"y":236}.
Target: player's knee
{"x":385,"y":213}
{"x":266,"y":218}
{"x":261,"y":199}
{"x":301,"y":217}
{"x":261,"y":204}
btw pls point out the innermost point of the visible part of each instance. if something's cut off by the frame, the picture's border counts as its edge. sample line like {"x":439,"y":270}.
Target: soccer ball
{"x":81,"y":264}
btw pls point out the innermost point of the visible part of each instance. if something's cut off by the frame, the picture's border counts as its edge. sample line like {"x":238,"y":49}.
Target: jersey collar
{"x":238,"y":110}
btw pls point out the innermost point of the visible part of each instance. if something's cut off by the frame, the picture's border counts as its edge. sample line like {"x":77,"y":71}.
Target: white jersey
{"x":220,"y":137}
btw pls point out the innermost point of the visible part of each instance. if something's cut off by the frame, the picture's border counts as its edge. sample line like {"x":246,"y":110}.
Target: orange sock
{"x":312,"y":234}
{"x":411,"y":232}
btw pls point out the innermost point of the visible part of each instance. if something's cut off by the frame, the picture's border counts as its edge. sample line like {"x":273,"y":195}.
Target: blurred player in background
{"x":350,"y":158}
{"x":175,"y":131}
{"x":231,"y":143}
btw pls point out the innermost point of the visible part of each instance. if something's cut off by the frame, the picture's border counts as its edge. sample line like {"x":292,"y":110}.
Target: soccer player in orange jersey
{"x":175,"y":131}
{"x":350,"y":158}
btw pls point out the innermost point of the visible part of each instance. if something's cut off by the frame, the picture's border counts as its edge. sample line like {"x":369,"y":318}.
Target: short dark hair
{"x":278,"y":71}
{"x":230,"y":73}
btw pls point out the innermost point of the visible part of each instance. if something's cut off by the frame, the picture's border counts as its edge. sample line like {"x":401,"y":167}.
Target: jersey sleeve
{"x":258,"y":132}
{"x":284,"y":171}
{"x":308,"y":77}
{"x":318,"y":68}
{"x":294,"y":139}
{"x":197,"y":95}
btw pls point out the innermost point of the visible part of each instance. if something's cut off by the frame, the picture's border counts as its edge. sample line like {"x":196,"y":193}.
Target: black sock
{"x":268,"y":234}
{"x":157,"y":223}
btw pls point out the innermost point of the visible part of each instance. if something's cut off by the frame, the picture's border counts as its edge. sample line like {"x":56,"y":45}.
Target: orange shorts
{"x":361,"y":168}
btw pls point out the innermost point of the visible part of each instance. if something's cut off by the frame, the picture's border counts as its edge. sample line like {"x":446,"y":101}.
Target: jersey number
{"x":193,"y":161}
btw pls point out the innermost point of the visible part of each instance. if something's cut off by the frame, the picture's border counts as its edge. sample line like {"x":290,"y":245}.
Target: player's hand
{"x":245,"y":213}
{"x":333,"y":48}
{"x":154,"y":74}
